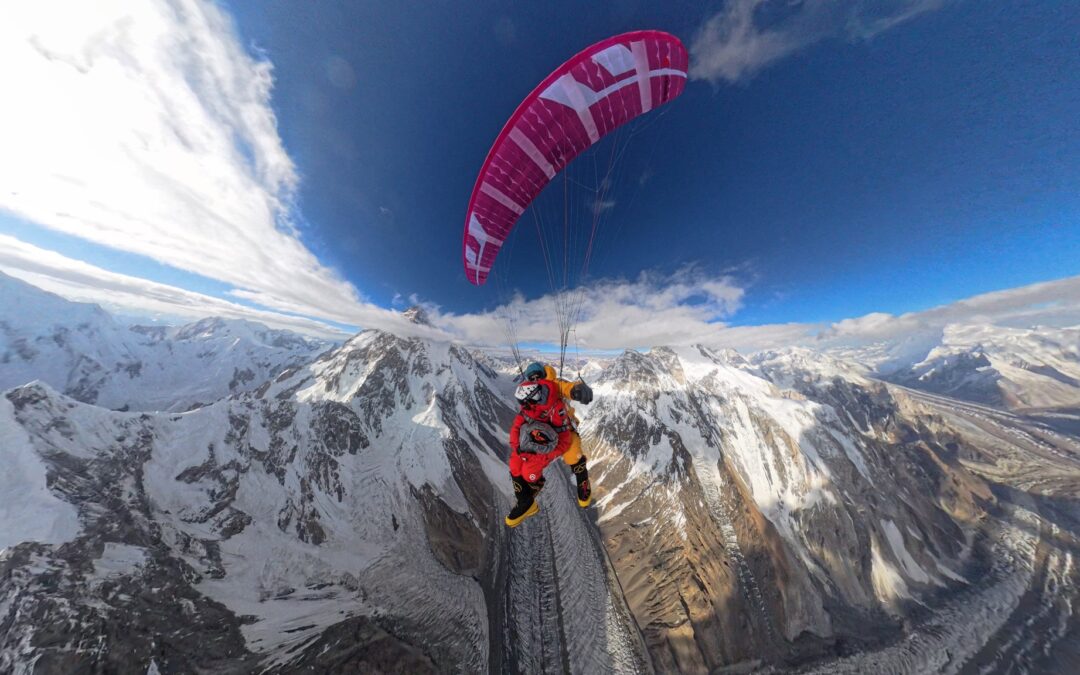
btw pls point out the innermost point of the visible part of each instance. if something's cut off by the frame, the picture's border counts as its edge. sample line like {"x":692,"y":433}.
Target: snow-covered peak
{"x":637,"y":371}
{"x":796,"y":366}
{"x":755,"y":512}
{"x":376,"y":364}
{"x":676,"y":368}
{"x":591,"y":368}
{"x":418,"y":315}
{"x":1008,"y":367}
{"x":397,"y":382}
{"x":27,"y":312}
{"x":80,"y":350}
{"x":217,"y":328}
{"x":333,"y":497}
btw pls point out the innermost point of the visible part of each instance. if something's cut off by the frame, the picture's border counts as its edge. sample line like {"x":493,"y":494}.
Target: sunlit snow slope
{"x":80,"y":350}
{"x":343,"y":513}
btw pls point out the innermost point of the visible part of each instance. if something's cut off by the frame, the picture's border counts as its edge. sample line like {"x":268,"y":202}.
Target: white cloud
{"x":650,"y":310}
{"x":748,"y":35}
{"x":691,"y":306}
{"x":123,"y":294}
{"x":120,"y":293}
{"x":1052,"y":303}
{"x":747,"y":339}
{"x":147,"y":127}
{"x":687,"y":307}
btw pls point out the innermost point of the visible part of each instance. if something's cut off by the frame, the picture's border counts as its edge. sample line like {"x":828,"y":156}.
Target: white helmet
{"x":530,"y":392}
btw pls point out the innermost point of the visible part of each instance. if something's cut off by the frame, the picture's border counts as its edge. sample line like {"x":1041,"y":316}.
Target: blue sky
{"x":826,"y":162}
{"x":917,"y":159}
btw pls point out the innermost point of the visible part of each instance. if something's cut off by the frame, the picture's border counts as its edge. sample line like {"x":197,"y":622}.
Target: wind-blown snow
{"x":896,"y":543}
{"x":889,"y":585}
{"x":120,"y":560}
{"x":28,"y":510}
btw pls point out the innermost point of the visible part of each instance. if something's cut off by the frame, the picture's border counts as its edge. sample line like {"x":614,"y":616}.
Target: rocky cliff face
{"x":782,"y":511}
{"x":788,"y":509}
{"x":751,"y":519}
{"x":352,"y":494}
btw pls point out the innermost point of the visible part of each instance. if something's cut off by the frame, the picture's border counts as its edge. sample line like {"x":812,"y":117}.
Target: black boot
{"x":584,"y":489}
{"x":526,"y":500}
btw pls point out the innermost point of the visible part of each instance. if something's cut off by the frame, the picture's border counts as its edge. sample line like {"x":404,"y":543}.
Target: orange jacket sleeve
{"x":563,"y":386}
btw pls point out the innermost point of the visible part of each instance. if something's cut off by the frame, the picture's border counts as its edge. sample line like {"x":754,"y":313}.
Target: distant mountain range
{"x":1004,"y":367}
{"x":81,"y":351}
{"x":339,"y":509}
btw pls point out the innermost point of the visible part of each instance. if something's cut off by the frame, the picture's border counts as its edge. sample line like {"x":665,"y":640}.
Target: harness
{"x":552,"y":410}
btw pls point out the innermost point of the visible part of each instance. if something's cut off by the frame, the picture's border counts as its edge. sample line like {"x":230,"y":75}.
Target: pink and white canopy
{"x":591,"y":95}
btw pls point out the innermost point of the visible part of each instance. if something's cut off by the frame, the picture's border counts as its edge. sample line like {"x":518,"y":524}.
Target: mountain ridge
{"x":80,"y":350}
{"x":787,"y":509}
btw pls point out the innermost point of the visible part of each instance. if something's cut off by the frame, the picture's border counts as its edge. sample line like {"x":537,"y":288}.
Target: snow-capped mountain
{"x":1005,"y":367}
{"x":349,"y":511}
{"x":785,"y":510}
{"x":80,"y":350}
{"x":346,"y":498}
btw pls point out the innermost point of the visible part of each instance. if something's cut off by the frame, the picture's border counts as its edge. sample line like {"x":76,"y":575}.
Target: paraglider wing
{"x":592,"y":94}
